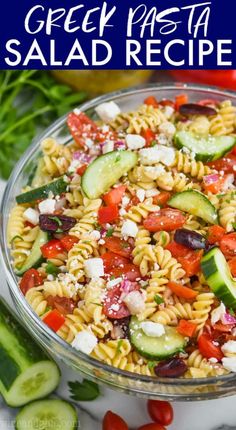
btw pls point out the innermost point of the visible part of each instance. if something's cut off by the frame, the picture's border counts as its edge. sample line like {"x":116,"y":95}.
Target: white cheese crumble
{"x":114,"y":282}
{"x":73,"y":166}
{"x":151,"y":193}
{"x":31,"y":215}
{"x":218,"y":313}
{"x":94,"y":267}
{"x":47,"y":206}
{"x":107,"y":111}
{"x":154,"y":171}
{"x":141,"y":194}
{"x":85,"y":342}
{"x":167,"y":128}
{"x":168,"y":111}
{"x":229,"y":347}
{"x":95,"y":234}
{"x":134,"y":302}
{"x":229,"y":363}
{"x":152,"y":329}
{"x":108,"y":147}
{"x":125,"y":201}
{"x":158,"y":153}
{"x":129,"y":228}
{"x":77,"y":111}
{"x":135,"y":141}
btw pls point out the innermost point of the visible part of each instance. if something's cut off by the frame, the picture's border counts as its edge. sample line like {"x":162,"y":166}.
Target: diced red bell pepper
{"x":149,"y":136}
{"x":180,"y":100}
{"x":187,"y":328}
{"x":108,"y":214}
{"x":114,"y":196}
{"x":80,"y":171}
{"x":54,"y":320}
{"x":182,"y":291}
{"x":151,"y":101}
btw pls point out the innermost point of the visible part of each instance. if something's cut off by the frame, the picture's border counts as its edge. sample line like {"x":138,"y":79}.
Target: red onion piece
{"x":82,"y":156}
{"x":211,"y":179}
{"x":228,"y":319}
{"x":126,"y":286}
{"x":196,"y":109}
{"x":119,"y":145}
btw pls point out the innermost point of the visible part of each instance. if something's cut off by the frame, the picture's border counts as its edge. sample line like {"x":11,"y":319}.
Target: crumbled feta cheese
{"x":135,"y":141}
{"x":84,"y":341}
{"x":228,"y":182}
{"x":113,"y":282}
{"x":167,"y":128}
{"x":229,"y":363}
{"x":217,"y":313}
{"x":47,"y":206}
{"x":152,"y":329}
{"x":122,"y":212}
{"x":151,"y":193}
{"x":107,"y":111}
{"x":31,"y":215}
{"x":50,"y":277}
{"x":168,"y":111}
{"x":101,"y":242}
{"x":77,"y":111}
{"x":158,"y":153}
{"x":229,"y":347}
{"x":134,"y":302}
{"x":89,"y":142}
{"x":73,"y":166}
{"x":129,"y":228}
{"x":141,"y":194}
{"x":69,"y":282}
{"x":156,"y":266}
{"x":162,"y":139}
{"x":94,"y":267}
{"x":213,"y":360}
{"x":95,"y":235}
{"x":125,"y":201}
{"x":108,"y":147}
{"x":154,"y":171}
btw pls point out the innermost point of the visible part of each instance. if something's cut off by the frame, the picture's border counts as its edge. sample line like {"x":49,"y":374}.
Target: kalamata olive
{"x":172,"y":368}
{"x":196,"y":109}
{"x":56,"y":223}
{"x":62,"y":304}
{"x":189,"y":238}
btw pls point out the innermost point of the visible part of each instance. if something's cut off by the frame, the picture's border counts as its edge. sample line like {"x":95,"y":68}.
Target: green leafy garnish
{"x":151,"y":364}
{"x":84,"y":391}
{"x":158,"y":299}
{"x":58,"y":221}
{"x":110,"y":232}
{"x":51,"y":269}
{"x":30,"y":101}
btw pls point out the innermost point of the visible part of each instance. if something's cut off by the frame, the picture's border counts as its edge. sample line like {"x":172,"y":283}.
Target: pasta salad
{"x":125,"y":241}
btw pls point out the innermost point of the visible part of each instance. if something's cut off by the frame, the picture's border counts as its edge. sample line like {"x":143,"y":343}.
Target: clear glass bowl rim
{"x":12,"y":279}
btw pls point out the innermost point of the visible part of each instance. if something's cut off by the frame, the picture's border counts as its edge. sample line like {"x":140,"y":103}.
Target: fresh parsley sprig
{"x":84,"y":391}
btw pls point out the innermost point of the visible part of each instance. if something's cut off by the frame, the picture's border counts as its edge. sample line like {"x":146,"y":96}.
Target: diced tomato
{"x":233,"y":151}
{"x":108,"y":214}
{"x":232,"y":266}
{"x":223,"y":328}
{"x":113,"y":421}
{"x":207,"y":347}
{"x":162,"y":198}
{"x":177,"y":249}
{"x":68,"y":241}
{"x":165,"y":219}
{"x":228,"y":245}
{"x":191,"y":262}
{"x":80,"y":171}
{"x":166,"y":102}
{"x":160,"y":411}
{"x":215,"y":234}
{"x":149,"y":136}
{"x":62,"y":304}
{"x":226,"y":164}
{"x":118,"y":246}
{"x":187,"y":328}
{"x":182,"y":291}
{"x":112,"y":260}
{"x":152,"y":101}
{"x":215,"y":185}
{"x":52,"y":248}
{"x":54,"y":320}
{"x":81,"y":127}
{"x":114,"y":196}
{"x":180,"y":100}
{"x":113,"y":307}
{"x":130,"y":271}
{"x":30,"y":279}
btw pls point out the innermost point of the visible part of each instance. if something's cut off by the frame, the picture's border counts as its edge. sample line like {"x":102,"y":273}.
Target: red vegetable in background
{"x":113,"y":421}
{"x":160,"y":411}
{"x":165,"y":219}
{"x":30,"y":279}
{"x":207,"y":347}
{"x":220,"y":78}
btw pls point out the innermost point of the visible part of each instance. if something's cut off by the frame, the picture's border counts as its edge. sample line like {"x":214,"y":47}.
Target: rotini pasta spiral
{"x":185,"y":164}
{"x":89,"y":218}
{"x":227,"y":211}
{"x":36,"y":300}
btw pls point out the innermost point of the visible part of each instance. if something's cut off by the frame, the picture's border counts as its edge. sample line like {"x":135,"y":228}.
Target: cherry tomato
{"x":228,"y":245}
{"x":30,"y":279}
{"x":112,"y":300}
{"x":233,"y":151}
{"x":108,"y":214}
{"x":165,"y":219}
{"x":54,"y":320}
{"x":149,"y":136}
{"x":162,"y":198}
{"x":207,"y":347}
{"x":160,"y":411}
{"x":130,"y":271}
{"x":177,"y":249}
{"x":80,"y":171}
{"x":191,"y":262}
{"x":222,"y":328}
{"x":151,"y":101}
{"x":152,"y":426}
{"x":114,"y":196}
{"x":113,"y":421}
{"x":81,"y":127}
{"x":112,"y":260}
{"x":226,"y":164}
{"x":118,"y":246}
{"x":232,"y":266}
{"x":187,"y":328}
{"x":215,"y":234}
{"x":52,"y":248}
{"x":222,"y":78}
{"x":180,"y":100}
{"x":68,"y":241}
{"x":62,"y":304}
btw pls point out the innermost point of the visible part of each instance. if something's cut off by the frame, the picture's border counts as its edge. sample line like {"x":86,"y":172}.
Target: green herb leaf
{"x":84,"y":391}
{"x":51,"y":269}
{"x":119,"y":345}
{"x":110,"y":232}
{"x":158,"y":299}
{"x":56,"y":219}
{"x":151,"y":364}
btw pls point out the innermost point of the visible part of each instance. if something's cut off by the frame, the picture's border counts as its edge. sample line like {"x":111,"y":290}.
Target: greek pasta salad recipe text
{"x":125,"y":241}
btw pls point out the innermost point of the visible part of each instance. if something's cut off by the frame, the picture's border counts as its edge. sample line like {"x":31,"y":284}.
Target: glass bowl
{"x":130,"y":383}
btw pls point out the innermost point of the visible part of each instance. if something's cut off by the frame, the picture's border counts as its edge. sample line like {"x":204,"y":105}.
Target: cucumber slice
{"x":56,"y":187}
{"x":105,"y":171}
{"x":26,"y":372}
{"x":216,"y":271}
{"x":156,"y":348}
{"x":205,"y":148}
{"x":48,"y":414}
{"x":195,"y":203}
{"x":35,"y":258}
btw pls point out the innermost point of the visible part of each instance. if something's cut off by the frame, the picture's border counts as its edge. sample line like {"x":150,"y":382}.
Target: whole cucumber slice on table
{"x":205,"y":148}
{"x":195,"y":203}
{"x":35,"y":258}
{"x":49,"y":414}
{"x":56,"y":187}
{"x":156,"y":348}
{"x":216,"y":271}
{"x":26,"y":372}
{"x":105,"y":171}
